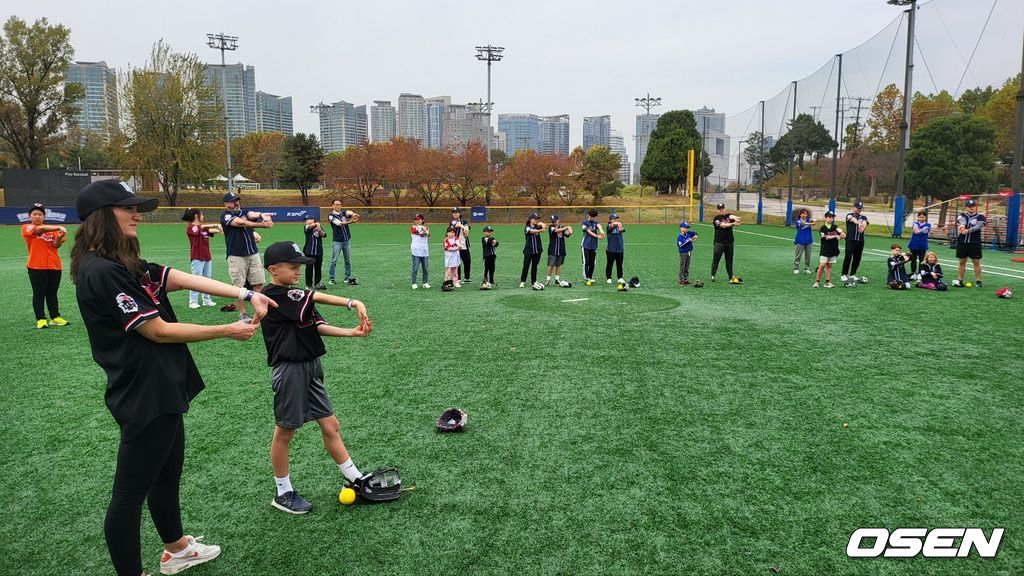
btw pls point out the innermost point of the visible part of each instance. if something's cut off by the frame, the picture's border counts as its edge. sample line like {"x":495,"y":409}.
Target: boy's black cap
{"x":111,"y":192}
{"x":284,"y":251}
{"x":488,"y":229}
{"x":721,"y":206}
{"x":970,"y":203}
{"x":830,"y":214}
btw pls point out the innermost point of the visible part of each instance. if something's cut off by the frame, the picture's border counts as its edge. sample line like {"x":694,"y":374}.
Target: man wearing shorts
{"x":556,"y":249}
{"x":968,"y":242}
{"x":244,"y":265}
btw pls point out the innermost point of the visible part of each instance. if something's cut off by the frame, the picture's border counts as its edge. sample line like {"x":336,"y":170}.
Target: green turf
{"x":666,"y":430}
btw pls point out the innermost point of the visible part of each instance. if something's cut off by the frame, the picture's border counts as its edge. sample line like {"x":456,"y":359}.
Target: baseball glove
{"x":451,"y":420}
{"x":698,"y":284}
{"x":381,"y":485}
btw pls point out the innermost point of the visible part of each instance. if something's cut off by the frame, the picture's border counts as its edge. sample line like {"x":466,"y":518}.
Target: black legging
{"x":719,"y":250}
{"x":315,"y":271}
{"x":489,"y":268}
{"x":616,"y":258}
{"x":148,"y":468}
{"x":44,"y":287}
{"x":589,"y":256}
{"x":530,"y":262}
{"x":916,"y":256}
{"x":854,"y":250}
{"x":466,"y":262}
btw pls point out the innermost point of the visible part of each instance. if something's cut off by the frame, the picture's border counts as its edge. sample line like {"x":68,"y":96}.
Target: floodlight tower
{"x":897,"y":227}
{"x":489,"y":54}
{"x":224,"y":44}
{"x":647,"y":102}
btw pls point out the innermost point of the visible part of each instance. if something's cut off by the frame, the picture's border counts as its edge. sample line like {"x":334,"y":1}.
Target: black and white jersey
{"x":289,"y":331}
{"x":853,"y":233}
{"x":974,"y":223}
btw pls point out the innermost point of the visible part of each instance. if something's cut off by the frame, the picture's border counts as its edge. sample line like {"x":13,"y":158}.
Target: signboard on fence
{"x":55,"y":215}
{"x":478,"y":214}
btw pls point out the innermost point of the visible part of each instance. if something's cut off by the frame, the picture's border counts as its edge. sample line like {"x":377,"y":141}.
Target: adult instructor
{"x":968,"y":242}
{"x":244,"y":265}
{"x":151,"y":377}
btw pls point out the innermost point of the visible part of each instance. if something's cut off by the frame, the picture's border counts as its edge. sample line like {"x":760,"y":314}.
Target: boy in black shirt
{"x":490,"y":244}
{"x":292,"y":335}
{"x":897,"y":278}
{"x":830,"y":235}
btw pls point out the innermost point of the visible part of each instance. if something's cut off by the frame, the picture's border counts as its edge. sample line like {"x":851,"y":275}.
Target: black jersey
{"x":144,"y":379}
{"x":314,"y":245}
{"x":533,"y":243}
{"x":289,"y":331}
{"x":556,"y":243}
{"x":490,"y":245}
{"x":853,"y":222}
{"x":723,"y":235}
{"x":829,"y":240}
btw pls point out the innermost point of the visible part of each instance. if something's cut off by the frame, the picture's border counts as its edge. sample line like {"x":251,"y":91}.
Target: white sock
{"x":349,"y":470}
{"x":557,"y":279}
{"x":284,"y":485}
{"x":549,"y":278}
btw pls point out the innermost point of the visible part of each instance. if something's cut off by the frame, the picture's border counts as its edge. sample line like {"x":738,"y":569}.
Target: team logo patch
{"x":126,"y":303}
{"x":296,"y":295}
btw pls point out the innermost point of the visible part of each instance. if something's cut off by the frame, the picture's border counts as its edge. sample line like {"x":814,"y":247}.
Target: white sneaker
{"x":548,"y":281}
{"x":425,"y":285}
{"x":608,"y":281}
{"x":209,"y":303}
{"x":522,"y":284}
{"x":796,"y":271}
{"x":843,"y":278}
{"x":815,"y":285}
{"x":458,"y":284}
{"x":197,"y":554}
{"x":414,"y":286}
{"x":193,"y":305}
{"x":807,"y":271}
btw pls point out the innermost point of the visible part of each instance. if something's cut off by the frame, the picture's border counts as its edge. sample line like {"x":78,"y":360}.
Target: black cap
{"x":554,"y":218}
{"x":721,"y":206}
{"x":37,"y":206}
{"x":456,"y":209}
{"x":488,"y":229}
{"x":830,"y":214}
{"x":284,"y":251}
{"x":111,"y":192}
{"x":231,"y":197}
{"x":970,"y":203}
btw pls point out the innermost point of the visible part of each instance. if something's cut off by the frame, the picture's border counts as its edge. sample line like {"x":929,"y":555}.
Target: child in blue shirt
{"x":918,"y":245}
{"x":803,"y":240}
{"x":685,"y":244}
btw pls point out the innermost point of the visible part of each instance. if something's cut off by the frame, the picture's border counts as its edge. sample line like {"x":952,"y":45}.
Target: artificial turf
{"x":665,"y":430}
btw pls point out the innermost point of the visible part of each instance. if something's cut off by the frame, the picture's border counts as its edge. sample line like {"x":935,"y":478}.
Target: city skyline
{"x":599,"y":70}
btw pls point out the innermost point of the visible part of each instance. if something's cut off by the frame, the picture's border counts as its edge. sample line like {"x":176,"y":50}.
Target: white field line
{"x":577,"y":300}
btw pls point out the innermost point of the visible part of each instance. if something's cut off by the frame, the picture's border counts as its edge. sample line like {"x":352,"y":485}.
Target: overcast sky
{"x":577,"y":58}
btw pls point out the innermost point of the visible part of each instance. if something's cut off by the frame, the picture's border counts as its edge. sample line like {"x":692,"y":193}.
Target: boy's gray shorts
{"x":299,"y":393}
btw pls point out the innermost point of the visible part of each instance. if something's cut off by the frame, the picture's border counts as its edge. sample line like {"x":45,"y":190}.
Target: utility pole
{"x":814,"y":112}
{"x":760,"y":180}
{"x":489,"y":54}
{"x":835,"y":146}
{"x":897,"y":227}
{"x":224,"y":44}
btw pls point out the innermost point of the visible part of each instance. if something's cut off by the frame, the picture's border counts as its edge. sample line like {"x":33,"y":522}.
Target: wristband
{"x":245,"y":294}
{"x":350,"y":301}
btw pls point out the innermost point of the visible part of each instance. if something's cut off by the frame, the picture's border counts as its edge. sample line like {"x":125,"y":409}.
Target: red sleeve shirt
{"x":198,"y":242}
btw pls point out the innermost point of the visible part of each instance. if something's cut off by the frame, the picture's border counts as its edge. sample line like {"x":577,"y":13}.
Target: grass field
{"x":666,"y":430}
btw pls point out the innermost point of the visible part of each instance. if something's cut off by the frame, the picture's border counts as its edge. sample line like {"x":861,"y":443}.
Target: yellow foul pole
{"x":689,"y":181}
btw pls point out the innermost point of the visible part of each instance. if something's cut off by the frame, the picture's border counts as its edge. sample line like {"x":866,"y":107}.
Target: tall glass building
{"x":645,"y":124}
{"x":342,"y":125}
{"x":554,"y":135}
{"x":412,"y":117}
{"x":97,"y":111}
{"x":382,"y":121}
{"x":618,"y":146}
{"x":597,"y":131}
{"x":522,"y":132}
{"x":238,"y":93}
{"x":274,"y":113}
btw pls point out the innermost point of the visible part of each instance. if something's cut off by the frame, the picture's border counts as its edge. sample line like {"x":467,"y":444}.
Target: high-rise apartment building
{"x":645,"y":124}
{"x":554,"y":134}
{"x":464,"y":123}
{"x":435,"y":109}
{"x":274,"y":113}
{"x":711,"y":126}
{"x":522,"y":132}
{"x":97,"y":112}
{"x":412,"y":117}
{"x":618,"y":146}
{"x":342,"y":125}
{"x":382,"y":121}
{"x":237,"y":92}
{"x":596,"y":131}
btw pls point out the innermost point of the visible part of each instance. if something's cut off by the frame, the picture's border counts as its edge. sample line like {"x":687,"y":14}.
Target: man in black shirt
{"x":968,"y":242}
{"x":856,"y":223}
{"x":723,"y":224}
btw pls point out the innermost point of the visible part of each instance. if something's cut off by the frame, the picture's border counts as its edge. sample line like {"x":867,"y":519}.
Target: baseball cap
{"x":970,"y":203}
{"x":613,"y":216}
{"x":721,"y":206}
{"x":231,"y":197}
{"x":418,"y":217}
{"x":830,"y":214}
{"x":284,"y":251}
{"x":37,"y":206}
{"x":554,"y":217}
{"x":488,"y":229}
{"x":534,"y":215}
{"x":684,"y":224}
{"x":456,"y":209}
{"x":858,"y":204}
{"x":111,"y":192}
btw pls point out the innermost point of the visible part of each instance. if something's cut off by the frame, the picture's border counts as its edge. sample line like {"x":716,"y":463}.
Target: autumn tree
{"x":259,"y":156}
{"x":167,"y":119}
{"x":534,"y":176}
{"x":885,"y":120}
{"x":303,"y":163}
{"x":36,"y":106}
{"x":1001,"y":110}
{"x":400,"y":157}
{"x":924,"y":109}
{"x":358,"y":171}
{"x":597,"y":173}
{"x":430,"y":174}
{"x":467,"y":172}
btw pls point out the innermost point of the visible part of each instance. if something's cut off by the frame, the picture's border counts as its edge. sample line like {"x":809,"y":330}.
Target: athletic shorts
{"x":827,"y":259}
{"x":299,"y":393}
{"x":243,"y":269}
{"x":556,"y":260}
{"x":972,"y":251}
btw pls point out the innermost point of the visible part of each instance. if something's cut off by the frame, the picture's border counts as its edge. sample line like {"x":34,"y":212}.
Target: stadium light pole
{"x":647,"y":102}
{"x":901,"y":167}
{"x":489,"y":54}
{"x":224,"y":44}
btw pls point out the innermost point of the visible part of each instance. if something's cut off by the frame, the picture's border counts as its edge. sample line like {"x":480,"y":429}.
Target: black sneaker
{"x":977,"y":283}
{"x":352,"y":281}
{"x":321,"y":286}
{"x":291,"y":503}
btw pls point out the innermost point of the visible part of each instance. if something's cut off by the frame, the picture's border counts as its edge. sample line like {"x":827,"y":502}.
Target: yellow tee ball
{"x":347,"y":496}
{"x":968,"y":284}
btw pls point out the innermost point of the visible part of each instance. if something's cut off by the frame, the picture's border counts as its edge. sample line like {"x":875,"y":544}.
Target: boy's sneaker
{"x":957,"y":283}
{"x":815,"y":285}
{"x":829,"y":285}
{"x":331,"y":282}
{"x":291,"y":503}
{"x":807,"y":271}
{"x":58,"y":321}
{"x":796,"y":270}
{"x":352,"y":281}
{"x":196,"y":553}
{"x":321,"y":286}
{"x":844,"y":278}
{"x":522,"y":284}
{"x":193,"y":305}
{"x":458,"y":284}
{"x":735,"y":280}
{"x":977,"y":283}
{"x":425,"y":285}
{"x":712,"y":278}
{"x":209,"y":303}
{"x":608,"y":281}
{"x":414,"y":286}
{"x":40,"y":324}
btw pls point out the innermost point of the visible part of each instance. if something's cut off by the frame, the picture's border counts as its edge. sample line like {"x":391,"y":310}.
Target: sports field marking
{"x":577,"y":300}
